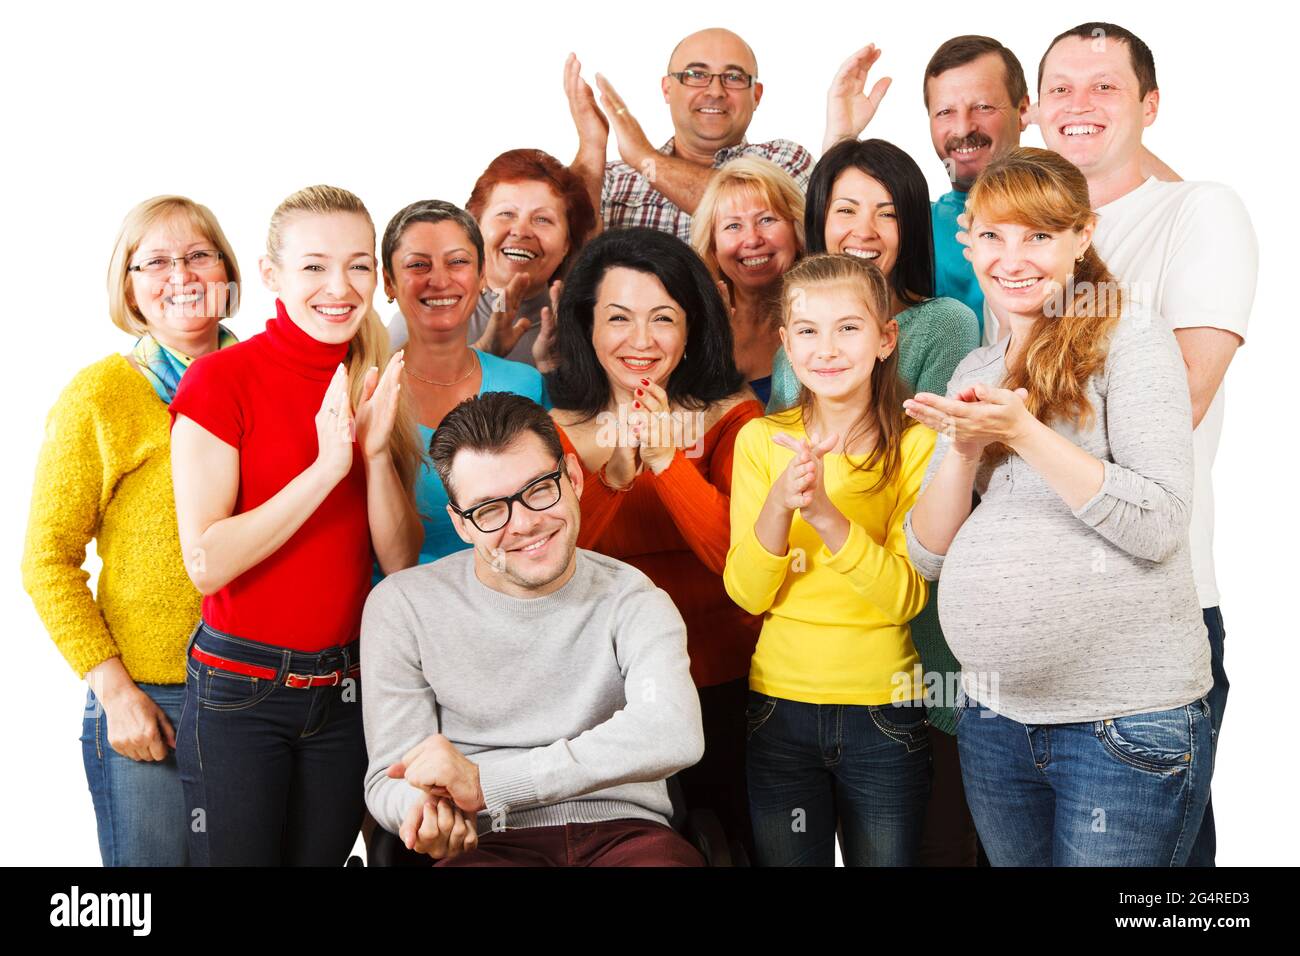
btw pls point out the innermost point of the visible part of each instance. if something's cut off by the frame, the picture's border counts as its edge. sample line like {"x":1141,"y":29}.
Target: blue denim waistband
{"x":285,"y":660}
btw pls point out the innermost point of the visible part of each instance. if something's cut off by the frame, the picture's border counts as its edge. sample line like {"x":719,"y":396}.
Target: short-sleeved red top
{"x":261,"y":397}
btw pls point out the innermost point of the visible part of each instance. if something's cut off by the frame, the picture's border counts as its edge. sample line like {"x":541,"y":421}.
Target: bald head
{"x":713,"y":44}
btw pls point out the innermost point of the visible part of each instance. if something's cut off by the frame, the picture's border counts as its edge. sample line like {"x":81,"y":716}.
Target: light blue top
{"x":440,"y":538}
{"x":953,"y":275}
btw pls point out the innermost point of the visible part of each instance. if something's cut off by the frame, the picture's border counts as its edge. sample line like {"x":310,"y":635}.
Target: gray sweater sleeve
{"x":405,"y":713}
{"x":1144,"y":506}
{"x":655,"y":734}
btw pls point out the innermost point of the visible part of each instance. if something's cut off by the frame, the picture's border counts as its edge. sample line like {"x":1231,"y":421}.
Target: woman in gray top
{"x":535,"y":215}
{"x":1066,"y":591}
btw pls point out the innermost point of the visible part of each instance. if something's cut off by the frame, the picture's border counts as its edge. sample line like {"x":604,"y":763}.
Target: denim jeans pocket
{"x":224,"y":690}
{"x":757,"y":711}
{"x":904,"y":723}
{"x":1157,"y":742}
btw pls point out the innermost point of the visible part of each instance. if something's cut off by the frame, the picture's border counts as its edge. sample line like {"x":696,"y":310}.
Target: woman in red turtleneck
{"x":647,"y":394}
{"x":281,"y":514}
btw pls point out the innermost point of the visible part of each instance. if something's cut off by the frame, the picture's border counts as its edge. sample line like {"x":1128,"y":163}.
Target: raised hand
{"x":633,"y":144}
{"x":504,"y":330}
{"x":592,"y":125}
{"x":657,"y":439}
{"x":334,"y":429}
{"x":377,"y":410}
{"x":849,"y":107}
{"x":544,"y":344}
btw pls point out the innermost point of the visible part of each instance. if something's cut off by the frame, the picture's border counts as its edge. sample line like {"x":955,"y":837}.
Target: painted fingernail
{"x":636,"y":404}
{"x":645,"y":381}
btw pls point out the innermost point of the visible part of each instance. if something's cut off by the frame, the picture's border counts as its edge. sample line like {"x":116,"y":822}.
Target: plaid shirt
{"x":628,"y":199}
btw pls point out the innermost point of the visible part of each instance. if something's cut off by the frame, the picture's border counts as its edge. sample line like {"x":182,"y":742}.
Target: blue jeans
{"x":815,"y":769}
{"x":1128,"y":791}
{"x":139,"y":804}
{"x":273,"y":775}
{"x":1203,"y":847}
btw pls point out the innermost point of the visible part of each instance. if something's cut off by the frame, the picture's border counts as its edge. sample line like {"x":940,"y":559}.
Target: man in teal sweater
{"x":539,"y":688}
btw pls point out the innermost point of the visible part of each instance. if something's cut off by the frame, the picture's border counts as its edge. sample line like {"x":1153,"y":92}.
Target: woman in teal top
{"x":870,"y":200}
{"x":433,"y":266}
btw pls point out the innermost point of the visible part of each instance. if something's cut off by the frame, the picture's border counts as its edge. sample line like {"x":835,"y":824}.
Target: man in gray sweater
{"x":543,"y":688}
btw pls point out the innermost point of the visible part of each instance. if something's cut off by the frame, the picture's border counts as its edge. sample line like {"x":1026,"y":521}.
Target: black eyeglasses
{"x":732,"y":79}
{"x":538,"y":495}
{"x":199,"y":260}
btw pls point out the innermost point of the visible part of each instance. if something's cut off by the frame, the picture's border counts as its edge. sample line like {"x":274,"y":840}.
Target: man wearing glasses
{"x":525,"y":700}
{"x":711,"y":89}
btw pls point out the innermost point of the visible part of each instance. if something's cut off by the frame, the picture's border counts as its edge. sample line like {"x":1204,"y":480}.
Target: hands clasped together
{"x":978,"y":417}
{"x":445,"y":823}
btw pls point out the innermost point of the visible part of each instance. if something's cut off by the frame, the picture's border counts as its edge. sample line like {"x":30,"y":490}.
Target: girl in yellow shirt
{"x":838,"y":739}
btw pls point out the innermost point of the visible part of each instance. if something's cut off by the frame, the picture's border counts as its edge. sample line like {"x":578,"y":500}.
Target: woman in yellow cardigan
{"x":104,"y":473}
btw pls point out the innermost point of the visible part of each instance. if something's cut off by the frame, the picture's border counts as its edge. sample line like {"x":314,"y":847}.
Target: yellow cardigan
{"x":835,"y":626}
{"x":104,"y":472}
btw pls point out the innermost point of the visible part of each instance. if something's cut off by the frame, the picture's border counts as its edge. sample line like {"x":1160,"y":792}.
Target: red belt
{"x":269,"y":673}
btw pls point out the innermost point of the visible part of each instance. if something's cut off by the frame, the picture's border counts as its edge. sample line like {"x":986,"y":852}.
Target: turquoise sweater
{"x":934,"y":336}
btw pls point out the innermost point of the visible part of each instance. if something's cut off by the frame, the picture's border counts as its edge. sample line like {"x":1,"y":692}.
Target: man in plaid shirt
{"x":711,"y":90}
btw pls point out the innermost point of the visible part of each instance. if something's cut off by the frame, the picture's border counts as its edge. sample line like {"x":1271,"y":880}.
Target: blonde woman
{"x":281,"y":514}
{"x":104,"y":474}
{"x":748,"y":229}
{"x":1067,"y":591}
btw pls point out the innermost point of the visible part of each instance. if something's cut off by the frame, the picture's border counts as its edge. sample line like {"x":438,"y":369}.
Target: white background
{"x":107,"y":105}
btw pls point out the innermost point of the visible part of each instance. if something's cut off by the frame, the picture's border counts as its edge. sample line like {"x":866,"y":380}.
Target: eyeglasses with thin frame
{"x":538,"y":495}
{"x":199,"y":260}
{"x":731,"y":79}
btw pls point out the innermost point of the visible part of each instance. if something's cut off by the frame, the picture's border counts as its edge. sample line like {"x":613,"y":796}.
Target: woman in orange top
{"x":648,"y":396}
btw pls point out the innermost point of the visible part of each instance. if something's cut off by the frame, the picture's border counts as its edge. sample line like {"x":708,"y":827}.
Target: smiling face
{"x":860,"y":220}
{"x":709,"y":118}
{"x":1019,"y":266}
{"x":1088,"y":105}
{"x":435,"y":276}
{"x":525,"y":231}
{"x":754,"y":245}
{"x":638,"y":330}
{"x":833,"y":340}
{"x":972,"y":118}
{"x":325,"y":275}
{"x":186,"y":300}
{"x":534,"y":554}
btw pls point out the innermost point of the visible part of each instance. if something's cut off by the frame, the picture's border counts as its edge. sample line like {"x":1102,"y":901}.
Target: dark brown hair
{"x":1139,"y":54}
{"x":489,"y":422}
{"x":965,"y":49}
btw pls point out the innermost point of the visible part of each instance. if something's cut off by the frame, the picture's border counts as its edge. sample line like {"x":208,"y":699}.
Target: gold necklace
{"x":428,"y":381}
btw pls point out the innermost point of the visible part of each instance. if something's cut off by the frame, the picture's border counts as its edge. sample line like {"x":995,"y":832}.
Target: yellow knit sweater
{"x":105,"y":473}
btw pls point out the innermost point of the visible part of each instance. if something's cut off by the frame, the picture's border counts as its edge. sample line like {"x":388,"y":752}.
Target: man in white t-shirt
{"x":1185,"y":248}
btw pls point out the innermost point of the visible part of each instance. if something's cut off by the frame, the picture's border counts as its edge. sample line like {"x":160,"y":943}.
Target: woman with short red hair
{"x":534,"y":214}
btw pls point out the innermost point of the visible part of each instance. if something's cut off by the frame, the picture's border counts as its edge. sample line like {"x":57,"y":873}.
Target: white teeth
{"x":1017,"y":283}
{"x":1085,"y":130}
{"x":863,"y":253}
{"x":709,"y":109}
{"x":536,"y":544}
{"x":334,"y":310}
{"x":514,"y":252}
{"x":964,"y":150}
{"x":755,"y":261}
{"x":439,"y":303}
{"x":187,"y":299}
{"x":639,"y":363}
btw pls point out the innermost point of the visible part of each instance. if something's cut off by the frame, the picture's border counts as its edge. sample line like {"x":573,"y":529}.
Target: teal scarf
{"x":164,"y":366}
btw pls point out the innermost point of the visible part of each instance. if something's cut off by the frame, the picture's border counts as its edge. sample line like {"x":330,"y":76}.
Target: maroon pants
{"x":612,"y":843}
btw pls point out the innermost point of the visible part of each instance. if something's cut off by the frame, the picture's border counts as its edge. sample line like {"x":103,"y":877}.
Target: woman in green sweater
{"x":104,"y":473}
{"x":869,"y":199}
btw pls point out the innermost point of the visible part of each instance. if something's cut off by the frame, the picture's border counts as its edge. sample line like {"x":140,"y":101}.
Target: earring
{"x":390,"y":300}
{"x":1081,"y":255}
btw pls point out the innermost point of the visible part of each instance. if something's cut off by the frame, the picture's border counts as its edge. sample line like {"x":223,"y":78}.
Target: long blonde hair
{"x":1039,"y":189}
{"x":369,"y":346}
{"x":125,"y":314}
{"x":883,"y":411}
